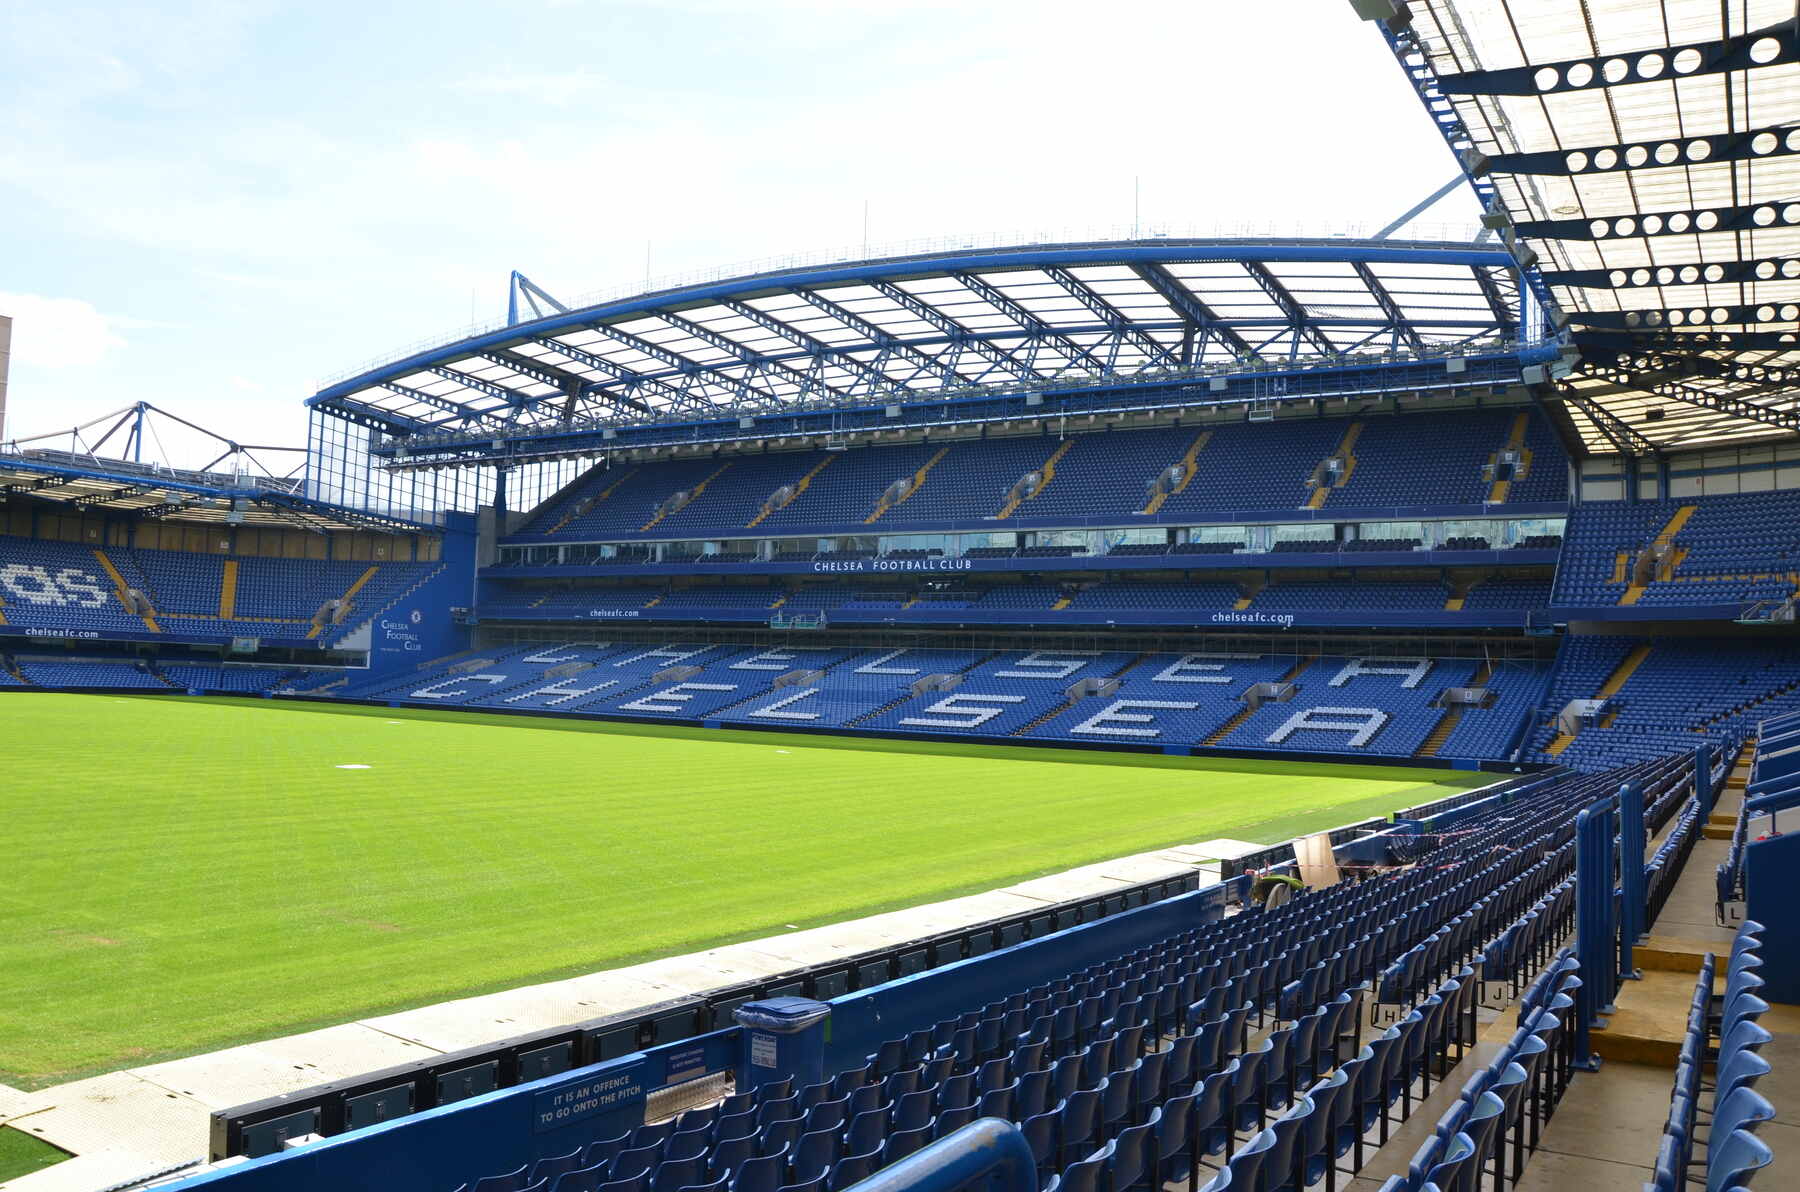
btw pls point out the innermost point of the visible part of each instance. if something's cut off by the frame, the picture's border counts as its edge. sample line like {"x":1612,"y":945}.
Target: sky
{"x":216,"y":206}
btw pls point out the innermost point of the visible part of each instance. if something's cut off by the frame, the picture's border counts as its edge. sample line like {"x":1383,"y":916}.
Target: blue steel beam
{"x":1118,"y":321}
{"x":1201,"y":318}
{"x":1023,"y":257}
{"x":601,"y":365}
{"x":1032,"y":325}
{"x":1661,"y":153}
{"x":1296,"y":313}
{"x":1687,"y":221}
{"x":1396,"y":317}
{"x":1774,"y":46}
{"x":1122,"y":392}
{"x":464,"y":412}
{"x":812,"y":346}
{"x":962,"y":337}
{"x":751,"y":358}
{"x":887,"y":342}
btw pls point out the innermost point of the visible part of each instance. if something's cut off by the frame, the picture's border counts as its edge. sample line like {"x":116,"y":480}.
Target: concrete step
{"x":1650,"y":1020}
{"x":1716,"y":832}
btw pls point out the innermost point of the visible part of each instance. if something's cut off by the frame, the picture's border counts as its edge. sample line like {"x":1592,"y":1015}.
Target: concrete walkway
{"x":1605,"y":1134}
{"x":133,"y":1124}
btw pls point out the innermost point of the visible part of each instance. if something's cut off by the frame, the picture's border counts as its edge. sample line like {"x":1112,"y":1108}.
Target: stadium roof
{"x":920,"y":327}
{"x":234,"y":486}
{"x":1646,"y":153}
{"x":121,"y":486}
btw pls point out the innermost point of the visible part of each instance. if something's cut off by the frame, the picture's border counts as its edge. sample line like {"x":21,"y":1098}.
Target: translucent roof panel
{"x":1648,"y":153}
{"x":869,"y":332}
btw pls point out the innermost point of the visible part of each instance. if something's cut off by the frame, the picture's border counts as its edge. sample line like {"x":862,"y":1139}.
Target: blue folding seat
{"x":687,"y":1144}
{"x":1075,"y":1132}
{"x":1742,"y":1070}
{"x":720,"y":1183}
{"x":1172,"y":1150}
{"x":956,"y":1092}
{"x":554,"y":1166}
{"x":1178,"y":1063}
{"x":782,"y":1109}
{"x":1067,"y":1075}
{"x":635,"y":1162}
{"x":1249,"y":1088}
{"x":730,"y":1154}
{"x":1041,"y":1132}
{"x":1085,"y":1175}
{"x":1215,"y":1125}
{"x":1319,"y":1147}
{"x":1150,"y":1084}
{"x":1129,"y":1164}
{"x":582,"y":1179}
{"x":1246,"y":1166}
{"x":1731,"y":1162}
{"x":1221,"y":1182}
{"x":1458,"y":1168}
{"x":848,"y":1079}
{"x":997,"y":1103}
{"x":865,"y":1098}
{"x":814,"y":1094}
{"x":913,"y":1110}
{"x":1376,"y":1089}
{"x":652,"y":1135}
{"x":815,"y":1153}
{"x":1118,"y":1100}
{"x":674,"y":1174}
{"x":1281,"y":1167}
{"x":888,"y":1057}
{"x":1510,"y":1086}
{"x":1097,"y":1058}
{"x":867,"y":1131}
{"x":762,"y":1173}
{"x":1032,"y":1096}
{"x":603,"y":1150}
{"x":952,"y":1120}
{"x":899,"y":1146}
{"x":512,"y":1181}
{"x":635,"y":1183}
{"x":826,"y":1115}
{"x":780,"y":1135}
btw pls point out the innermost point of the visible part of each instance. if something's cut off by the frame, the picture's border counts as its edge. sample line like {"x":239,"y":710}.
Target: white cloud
{"x":58,"y":332}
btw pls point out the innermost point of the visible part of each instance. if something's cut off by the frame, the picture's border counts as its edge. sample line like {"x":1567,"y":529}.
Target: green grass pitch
{"x":184,"y":875}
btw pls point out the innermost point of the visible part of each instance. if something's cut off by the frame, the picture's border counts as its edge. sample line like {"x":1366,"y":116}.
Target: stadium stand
{"x":1339,"y":704}
{"x":107,"y":676}
{"x":64,"y":585}
{"x":1651,"y":698}
{"x":224,"y":680}
{"x":1044,"y":479}
{"x":1736,"y":549}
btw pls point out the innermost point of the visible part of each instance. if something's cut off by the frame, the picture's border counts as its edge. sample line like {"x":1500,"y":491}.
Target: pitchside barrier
{"x":262,"y":1127}
{"x":436,"y":1147}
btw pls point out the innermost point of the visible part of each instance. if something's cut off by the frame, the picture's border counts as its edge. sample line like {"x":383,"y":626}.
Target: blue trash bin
{"x":784,"y":1039}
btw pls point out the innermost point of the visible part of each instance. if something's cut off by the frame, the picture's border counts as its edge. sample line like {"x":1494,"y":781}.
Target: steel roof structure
{"x":1644,"y":155}
{"x":936,"y":327}
{"x":233,"y":487}
{"x":140,"y":490}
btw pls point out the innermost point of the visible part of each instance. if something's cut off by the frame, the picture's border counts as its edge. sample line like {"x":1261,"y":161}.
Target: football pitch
{"x":183,"y":875}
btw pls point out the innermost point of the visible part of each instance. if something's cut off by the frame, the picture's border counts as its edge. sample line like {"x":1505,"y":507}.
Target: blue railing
{"x":988,"y":1155}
